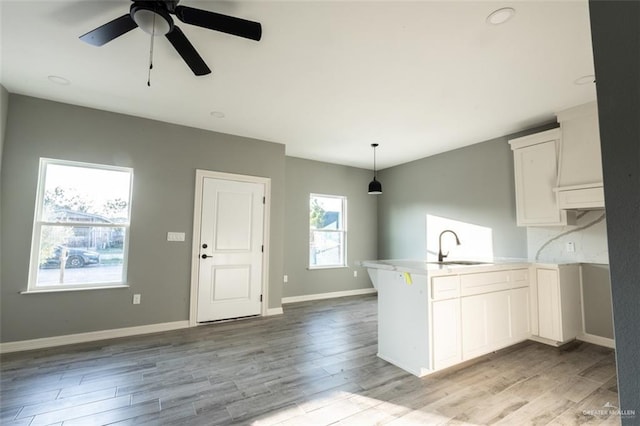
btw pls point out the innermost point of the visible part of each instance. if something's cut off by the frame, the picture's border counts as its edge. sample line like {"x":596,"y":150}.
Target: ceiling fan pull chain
{"x":153,"y":33}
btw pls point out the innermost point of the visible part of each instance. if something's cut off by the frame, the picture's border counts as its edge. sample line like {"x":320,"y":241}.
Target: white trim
{"x":274,"y":311}
{"x":58,"y":290}
{"x":195,"y":248}
{"x":597,"y":340}
{"x":331,"y":295}
{"x":69,"y":339}
{"x":546,"y":341}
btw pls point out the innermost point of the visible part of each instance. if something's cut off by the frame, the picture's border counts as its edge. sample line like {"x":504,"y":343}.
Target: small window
{"x":81,"y":226}
{"x":328,"y":231}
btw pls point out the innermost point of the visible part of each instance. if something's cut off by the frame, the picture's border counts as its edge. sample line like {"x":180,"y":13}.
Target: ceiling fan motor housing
{"x":153,"y":16}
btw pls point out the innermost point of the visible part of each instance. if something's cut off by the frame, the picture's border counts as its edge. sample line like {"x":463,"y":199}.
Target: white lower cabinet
{"x":445,"y":320}
{"x":488,"y":312}
{"x":559,"y":312}
{"x":494,"y":320}
{"x":519,"y":305}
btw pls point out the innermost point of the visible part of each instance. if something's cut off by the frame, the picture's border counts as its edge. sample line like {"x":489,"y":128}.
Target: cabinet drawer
{"x":484,"y":282}
{"x":445,"y":287}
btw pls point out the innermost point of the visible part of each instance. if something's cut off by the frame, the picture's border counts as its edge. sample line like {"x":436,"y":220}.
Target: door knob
{"x":204,"y":256}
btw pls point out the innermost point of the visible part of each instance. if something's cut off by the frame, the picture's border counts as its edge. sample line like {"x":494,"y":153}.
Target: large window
{"x":328,"y":231}
{"x":81,"y":226}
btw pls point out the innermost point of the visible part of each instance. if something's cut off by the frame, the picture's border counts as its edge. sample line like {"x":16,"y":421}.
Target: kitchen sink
{"x":460,"y":262}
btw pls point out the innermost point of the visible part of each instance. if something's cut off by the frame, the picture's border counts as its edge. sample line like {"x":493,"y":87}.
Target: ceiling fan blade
{"x":224,"y":23}
{"x":107,"y":32}
{"x":187,"y":51}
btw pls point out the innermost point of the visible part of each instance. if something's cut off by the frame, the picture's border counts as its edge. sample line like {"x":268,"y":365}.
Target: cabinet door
{"x":475,"y":335}
{"x":498,"y":319}
{"x":519,"y":308}
{"x":536,"y":170}
{"x":549,"y":325}
{"x":445,"y":326}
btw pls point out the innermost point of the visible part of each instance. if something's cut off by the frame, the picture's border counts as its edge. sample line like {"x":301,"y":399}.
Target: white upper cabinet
{"x":536,"y":173}
{"x":580,"y":172}
{"x":580,"y":158}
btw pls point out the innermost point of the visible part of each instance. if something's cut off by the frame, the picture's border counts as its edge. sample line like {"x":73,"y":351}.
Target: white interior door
{"x":230,"y":250}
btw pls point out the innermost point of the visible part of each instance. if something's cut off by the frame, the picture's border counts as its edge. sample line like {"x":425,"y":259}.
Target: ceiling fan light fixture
{"x":375,"y":187}
{"x":156,"y":22}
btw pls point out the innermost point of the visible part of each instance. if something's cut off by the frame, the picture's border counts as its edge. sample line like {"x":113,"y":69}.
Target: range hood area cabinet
{"x":559,"y":171}
{"x":580,"y":173}
{"x":536,"y":159}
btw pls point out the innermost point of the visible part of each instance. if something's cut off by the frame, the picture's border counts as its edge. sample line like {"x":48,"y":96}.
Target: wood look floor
{"x":314,"y":365}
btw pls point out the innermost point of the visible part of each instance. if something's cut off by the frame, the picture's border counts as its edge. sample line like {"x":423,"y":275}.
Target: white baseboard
{"x":274,"y":311}
{"x":597,"y":340}
{"x":48,"y":342}
{"x":331,"y":295}
{"x":545,"y":341}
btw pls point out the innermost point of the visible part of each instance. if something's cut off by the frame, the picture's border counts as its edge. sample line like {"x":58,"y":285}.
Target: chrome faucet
{"x":440,"y":255}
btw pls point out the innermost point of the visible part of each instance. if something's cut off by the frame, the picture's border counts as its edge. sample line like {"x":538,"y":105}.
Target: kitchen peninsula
{"x":434,"y":315}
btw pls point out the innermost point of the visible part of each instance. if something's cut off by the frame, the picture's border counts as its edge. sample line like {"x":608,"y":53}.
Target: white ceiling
{"x":327,"y":79}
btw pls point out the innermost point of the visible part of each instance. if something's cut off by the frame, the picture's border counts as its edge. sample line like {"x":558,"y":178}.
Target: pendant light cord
{"x":153,"y":34}
{"x":375,"y":172}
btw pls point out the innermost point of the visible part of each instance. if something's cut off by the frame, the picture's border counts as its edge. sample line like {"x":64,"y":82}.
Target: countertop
{"x":433,"y":268}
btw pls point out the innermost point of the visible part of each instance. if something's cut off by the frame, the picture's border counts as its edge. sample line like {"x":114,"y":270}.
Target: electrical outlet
{"x":136,"y":299}
{"x":355,"y":274}
{"x":571,"y":247}
{"x":286,"y":279}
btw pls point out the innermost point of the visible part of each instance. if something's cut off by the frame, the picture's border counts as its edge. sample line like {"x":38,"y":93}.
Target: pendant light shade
{"x":375,"y":187}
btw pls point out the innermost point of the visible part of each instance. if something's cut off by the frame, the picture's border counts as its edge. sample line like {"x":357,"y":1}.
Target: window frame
{"x":342,"y":231}
{"x":39,"y":223}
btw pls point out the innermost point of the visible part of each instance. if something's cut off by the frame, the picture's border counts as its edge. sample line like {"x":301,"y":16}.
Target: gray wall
{"x":474,"y":184}
{"x":4,"y":108}
{"x":305,"y":177}
{"x":596,"y":294}
{"x":164,"y":158}
{"x":615,"y":31}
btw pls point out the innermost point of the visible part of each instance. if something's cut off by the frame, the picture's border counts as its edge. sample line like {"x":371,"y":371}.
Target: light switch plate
{"x":571,"y":247}
{"x":175,"y":236}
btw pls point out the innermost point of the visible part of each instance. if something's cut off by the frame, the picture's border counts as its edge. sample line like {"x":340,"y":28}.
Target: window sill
{"x":320,"y":268}
{"x":58,"y":290}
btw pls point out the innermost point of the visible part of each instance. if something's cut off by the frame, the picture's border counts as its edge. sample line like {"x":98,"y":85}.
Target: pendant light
{"x":375,"y":187}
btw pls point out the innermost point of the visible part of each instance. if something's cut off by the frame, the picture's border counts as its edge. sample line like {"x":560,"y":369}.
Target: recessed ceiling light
{"x":500,"y":16}
{"x":217,"y":114}
{"x":585,"y":79}
{"x":59,"y":80}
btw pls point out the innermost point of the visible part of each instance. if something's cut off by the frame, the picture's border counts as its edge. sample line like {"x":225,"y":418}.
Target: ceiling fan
{"x":154,"y":17}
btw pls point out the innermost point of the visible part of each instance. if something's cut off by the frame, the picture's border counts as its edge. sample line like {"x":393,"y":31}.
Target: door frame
{"x":195,"y":249}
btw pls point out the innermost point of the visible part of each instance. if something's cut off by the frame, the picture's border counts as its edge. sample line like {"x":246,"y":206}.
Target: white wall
{"x":589,"y":236}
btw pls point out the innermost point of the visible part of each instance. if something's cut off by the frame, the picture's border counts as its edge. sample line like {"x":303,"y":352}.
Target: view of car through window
{"x":74,"y":258}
